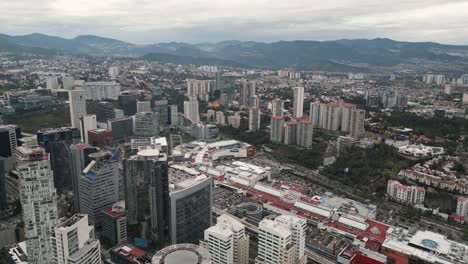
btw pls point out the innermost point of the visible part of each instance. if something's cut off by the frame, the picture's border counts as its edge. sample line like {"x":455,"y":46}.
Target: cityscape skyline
{"x":147,"y":22}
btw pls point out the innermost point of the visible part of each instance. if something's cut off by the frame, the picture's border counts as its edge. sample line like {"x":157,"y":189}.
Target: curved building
{"x":182,"y":253}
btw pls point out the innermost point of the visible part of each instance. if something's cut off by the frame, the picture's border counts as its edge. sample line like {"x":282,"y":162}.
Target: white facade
{"x":87,"y":123}
{"x":298,"y":104}
{"x":52,"y":83}
{"x":314,"y":117}
{"x":405,"y":194}
{"x":298,"y":227}
{"x":73,"y":242}
{"x":68,"y":83}
{"x":462,"y":207}
{"x":77,"y":100}
{"x":277,"y":107}
{"x":254,"y":119}
{"x":39,"y":202}
{"x":143,"y":106}
{"x":227,"y":241}
{"x":174,"y":115}
{"x":199,"y":88}
{"x":113,"y":72}
{"x":234,"y":121}
{"x":191,"y":111}
{"x":220,"y":118}
{"x":102,"y":90}
{"x":357,"y":123}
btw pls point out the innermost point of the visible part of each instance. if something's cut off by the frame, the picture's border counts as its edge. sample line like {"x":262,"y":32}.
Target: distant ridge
{"x":351,"y":54}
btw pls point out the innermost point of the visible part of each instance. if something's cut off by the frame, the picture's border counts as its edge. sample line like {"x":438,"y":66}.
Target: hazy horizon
{"x":148,"y":22}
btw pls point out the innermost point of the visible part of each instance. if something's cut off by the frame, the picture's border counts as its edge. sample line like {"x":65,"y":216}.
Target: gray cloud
{"x":150,"y":21}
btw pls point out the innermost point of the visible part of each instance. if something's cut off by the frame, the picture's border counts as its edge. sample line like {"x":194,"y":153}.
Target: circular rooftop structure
{"x":149,"y":153}
{"x":429,"y":243}
{"x":182,"y":253}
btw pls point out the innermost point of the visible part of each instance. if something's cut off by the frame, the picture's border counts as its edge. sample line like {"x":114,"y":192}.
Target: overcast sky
{"x":152,"y":21}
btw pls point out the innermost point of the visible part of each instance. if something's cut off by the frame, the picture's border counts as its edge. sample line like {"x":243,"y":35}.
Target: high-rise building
{"x":161,"y":109}
{"x":9,"y":136}
{"x":39,"y":203}
{"x":79,"y":159}
{"x":190,"y":209}
{"x":191,"y":111}
{"x":199,"y":88}
{"x":211,"y":114}
{"x":87,"y":123}
{"x":104,"y":111}
{"x":57,"y":141}
{"x":102,"y":90}
{"x":247,"y":91}
{"x":68,"y":83}
{"x":77,"y":99}
{"x":281,"y":241}
{"x":305,"y":132}
{"x":100,"y":138}
{"x":173,"y":115}
{"x":298,"y":103}
{"x":3,"y":194}
{"x":462,"y":207}
{"x":405,"y":194}
{"x":347,"y":113}
{"x":234,"y":120}
{"x":227,"y":241}
{"x":113,"y":71}
{"x":128,"y":103}
{"x":122,"y":129}
{"x":114,"y":224}
{"x":357,"y":123}
{"x":99,"y":184}
{"x":220,"y":118}
{"x":254,"y":118}
{"x":52,"y":82}
{"x":205,"y":131}
{"x":277,"y":129}
{"x":143,"y":106}
{"x":146,"y":124}
{"x":147,"y":197}
{"x":290,"y":133}
{"x":73,"y":242}
{"x":277,"y":107}
{"x":314,"y":117}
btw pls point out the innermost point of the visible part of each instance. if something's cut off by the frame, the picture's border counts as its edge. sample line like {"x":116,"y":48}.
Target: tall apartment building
{"x":277,"y":107}
{"x":114,"y":224}
{"x":173,"y":115}
{"x":405,"y":194}
{"x":57,"y":141}
{"x":39,"y":203}
{"x":462,"y":207}
{"x":220,"y":118}
{"x":199,"y":88}
{"x":191,"y":111}
{"x":190,"y":210}
{"x":227,"y":241}
{"x":99,"y":184}
{"x":254,"y":118}
{"x":146,"y":124}
{"x":68,"y":83}
{"x":247,"y":92}
{"x":102,"y":90}
{"x":146,"y":183}
{"x":113,"y":71}
{"x":52,"y":82}
{"x":234,"y":120}
{"x":305,"y":132}
{"x":77,"y":99}
{"x":357,"y":123}
{"x":298,"y":103}
{"x":73,"y":242}
{"x":277,"y":129}
{"x":143,"y":106}
{"x":281,"y":241}
{"x":290,"y":133}
{"x":314,"y":117}
{"x":79,"y":159}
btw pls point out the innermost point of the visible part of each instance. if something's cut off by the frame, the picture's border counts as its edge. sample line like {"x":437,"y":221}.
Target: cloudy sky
{"x":151,"y":21}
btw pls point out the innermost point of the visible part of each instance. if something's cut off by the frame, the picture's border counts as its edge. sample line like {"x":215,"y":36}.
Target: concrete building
{"x":39,"y":203}
{"x":79,"y":159}
{"x":147,"y":197}
{"x":143,"y":106}
{"x":247,"y":91}
{"x":191,"y":111}
{"x":146,"y":124}
{"x":277,"y":107}
{"x":114,"y":224}
{"x":100,"y":138}
{"x":128,"y":254}
{"x":220,"y":118}
{"x":290,"y":133}
{"x":173,"y":115}
{"x":199,"y":88}
{"x":277,"y":129}
{"x":3,"y":191}
{"x":77,"y":99}
{"x":99,"y":184}
{"x":405,"y":194}
{"x":87,"y":123}
{"x":254,"y":118}
{"x":462,"y":207}
{"x":9,"y":136}
{"x":227,"y":241}
{"x":190,"y":209}
{"x":52,"y":82}
{"x":113,"y":72}
{"x":68,"y":83}
{"x":205,"y":131}
{"x":314,"y":117}
{"x":305,"y":132}
{"x":357,"y":123}
{"x":281,"y":241}
{"x":102,"y":90}
{"x":234,"y":120}
{"x":73,"y":242}
{"x":298,"y":103}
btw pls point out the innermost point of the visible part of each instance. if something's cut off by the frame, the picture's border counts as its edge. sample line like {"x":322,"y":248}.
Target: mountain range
{"x":360,"y":54}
